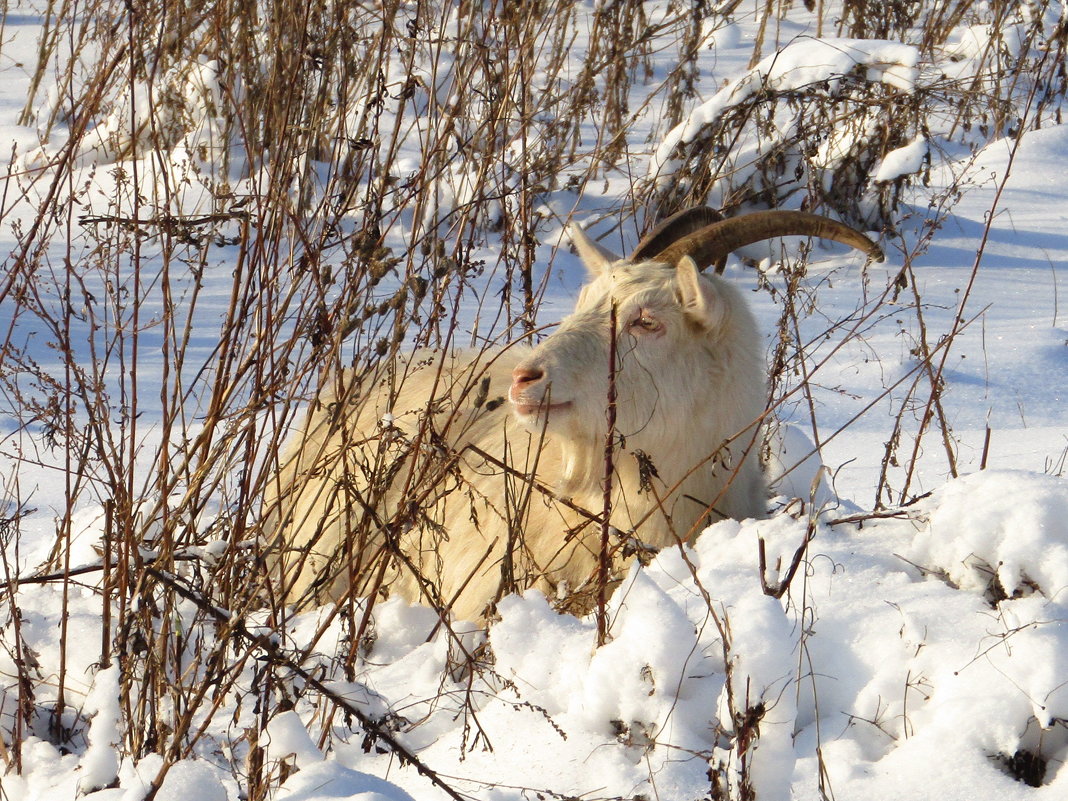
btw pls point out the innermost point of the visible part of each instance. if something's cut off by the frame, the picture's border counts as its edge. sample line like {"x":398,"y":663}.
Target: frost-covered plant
{"x":803,"y":128}
{"x":846,"y":125}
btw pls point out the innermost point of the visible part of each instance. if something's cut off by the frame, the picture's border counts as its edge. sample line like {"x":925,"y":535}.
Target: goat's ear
{"x":596,"y":257}
{"x":698,"y":297}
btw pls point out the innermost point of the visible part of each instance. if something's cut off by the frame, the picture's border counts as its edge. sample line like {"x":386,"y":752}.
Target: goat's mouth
{"x":528,"y":408}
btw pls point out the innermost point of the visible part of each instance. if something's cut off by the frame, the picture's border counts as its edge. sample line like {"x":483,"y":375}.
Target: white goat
{"x":417,"y":477}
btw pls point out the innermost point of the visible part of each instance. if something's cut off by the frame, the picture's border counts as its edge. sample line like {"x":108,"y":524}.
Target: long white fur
{"x":392,"y":466}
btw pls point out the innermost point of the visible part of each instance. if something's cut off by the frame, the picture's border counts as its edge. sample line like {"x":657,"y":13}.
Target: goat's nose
{"x":524,"y":375}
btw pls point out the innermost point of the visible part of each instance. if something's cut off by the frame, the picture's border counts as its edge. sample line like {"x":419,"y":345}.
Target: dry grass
{"x":325,"y":185}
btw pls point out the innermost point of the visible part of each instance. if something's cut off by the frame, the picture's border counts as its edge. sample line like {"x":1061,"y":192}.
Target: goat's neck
{"x":683,"y":492}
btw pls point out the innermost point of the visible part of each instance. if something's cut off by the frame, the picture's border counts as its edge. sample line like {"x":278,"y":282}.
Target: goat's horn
{"x":713,"y":242}
{"x":668,"y":231}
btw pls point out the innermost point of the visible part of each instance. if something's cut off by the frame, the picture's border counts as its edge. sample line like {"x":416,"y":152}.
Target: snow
{"x":903,"y":161}
{"x":916,"y":653}
{"x":328,"y":780}
{"x":794,"y":468}
{"x":100,"y":765}
{"x":191,"y":779}
{"x":288,"y":740}
{"x":975,"y":537}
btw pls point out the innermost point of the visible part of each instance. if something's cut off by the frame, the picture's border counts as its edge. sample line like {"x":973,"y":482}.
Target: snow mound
{"x":329,"y":780}
{"x":906,"y":160}
{"x":795,"y":468}
{"x":999,"y":531}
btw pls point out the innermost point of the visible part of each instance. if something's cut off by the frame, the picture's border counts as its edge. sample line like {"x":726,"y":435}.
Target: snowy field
{"x":920,"y":652}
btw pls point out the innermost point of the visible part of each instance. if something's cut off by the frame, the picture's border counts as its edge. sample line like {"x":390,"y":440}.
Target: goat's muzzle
{"x":529,"y":393}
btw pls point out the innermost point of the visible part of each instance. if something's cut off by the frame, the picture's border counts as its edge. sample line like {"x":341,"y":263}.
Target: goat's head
{"x":683,"y":339}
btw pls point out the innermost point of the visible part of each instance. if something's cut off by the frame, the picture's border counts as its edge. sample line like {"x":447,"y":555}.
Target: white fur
{"x":690,"y":385}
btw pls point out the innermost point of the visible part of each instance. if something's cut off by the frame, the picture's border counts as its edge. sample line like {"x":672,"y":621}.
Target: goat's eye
{"x":646,"y":322}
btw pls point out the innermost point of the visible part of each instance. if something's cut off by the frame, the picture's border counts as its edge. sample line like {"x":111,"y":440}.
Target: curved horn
{"x":670,"y":230}
{"x":713,"y":242}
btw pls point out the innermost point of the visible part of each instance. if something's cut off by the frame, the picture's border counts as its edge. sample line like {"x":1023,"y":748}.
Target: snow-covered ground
{"x":921,"y":652}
